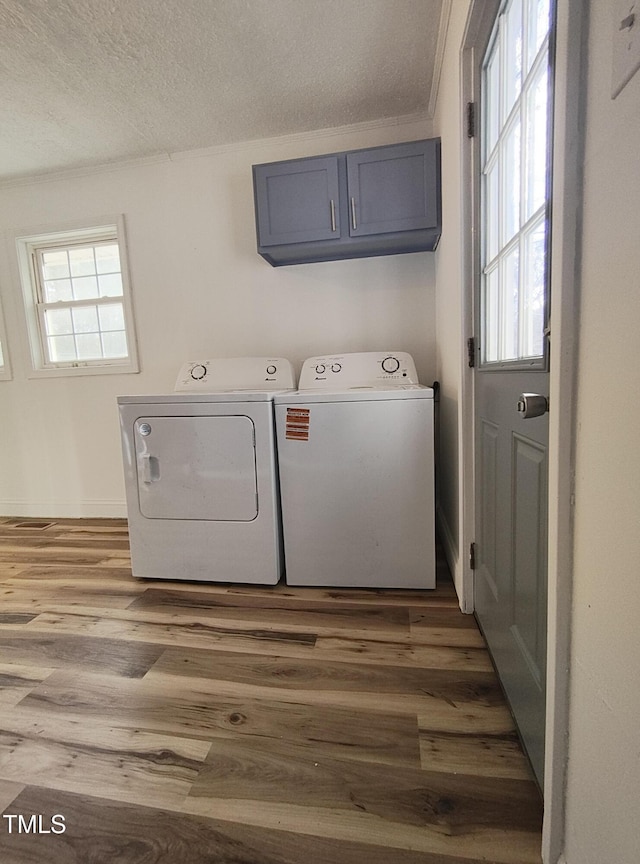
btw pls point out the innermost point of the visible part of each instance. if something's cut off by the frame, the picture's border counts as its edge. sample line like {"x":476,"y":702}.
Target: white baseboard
{"x":95,"y":508}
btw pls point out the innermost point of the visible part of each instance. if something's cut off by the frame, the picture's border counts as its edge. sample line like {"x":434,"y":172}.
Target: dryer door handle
{"x":150,"y":469}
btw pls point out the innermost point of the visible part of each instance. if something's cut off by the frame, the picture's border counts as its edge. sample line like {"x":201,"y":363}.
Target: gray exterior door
{"x":511,"y":461}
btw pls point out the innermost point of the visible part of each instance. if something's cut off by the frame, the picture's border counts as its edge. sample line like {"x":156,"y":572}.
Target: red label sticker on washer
{"x":297,"y":425}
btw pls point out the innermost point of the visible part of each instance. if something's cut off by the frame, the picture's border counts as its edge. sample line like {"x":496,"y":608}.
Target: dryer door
{"x":196,"y":468}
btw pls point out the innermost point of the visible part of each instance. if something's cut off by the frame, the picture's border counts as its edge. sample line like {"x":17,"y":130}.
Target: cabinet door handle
{"x":332,"y":209}
{"x":354,"y":224}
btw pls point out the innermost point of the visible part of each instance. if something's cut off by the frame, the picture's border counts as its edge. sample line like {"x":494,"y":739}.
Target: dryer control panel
{"x":235,"y":373}
{"x":360,"y":369}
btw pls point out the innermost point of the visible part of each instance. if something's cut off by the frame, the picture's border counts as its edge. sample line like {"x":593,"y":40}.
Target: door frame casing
{"x":566,"y":206}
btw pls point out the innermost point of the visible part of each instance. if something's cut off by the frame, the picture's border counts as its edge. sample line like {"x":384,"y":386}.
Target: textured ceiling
{"x":85,"y":82}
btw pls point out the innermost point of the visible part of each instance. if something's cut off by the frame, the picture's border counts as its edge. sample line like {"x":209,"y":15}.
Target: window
{"x":516,"y":86}
{"x":77,"y":301}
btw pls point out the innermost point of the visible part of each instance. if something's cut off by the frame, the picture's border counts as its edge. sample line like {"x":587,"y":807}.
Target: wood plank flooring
{"x":193,"y":723}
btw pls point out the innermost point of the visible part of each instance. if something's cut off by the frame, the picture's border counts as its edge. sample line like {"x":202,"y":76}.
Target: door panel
{"x":196,"y":468}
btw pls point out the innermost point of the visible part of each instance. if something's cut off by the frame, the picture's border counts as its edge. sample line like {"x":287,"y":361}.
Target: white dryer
{"x":355,"y":450}
{"x":201,"y":473}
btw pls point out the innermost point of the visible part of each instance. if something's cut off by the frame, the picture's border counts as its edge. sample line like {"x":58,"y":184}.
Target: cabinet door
{"x":297,"y":201}
{"x":394,"y":188}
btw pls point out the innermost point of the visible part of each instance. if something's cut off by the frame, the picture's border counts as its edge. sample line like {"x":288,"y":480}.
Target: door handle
{"x":150,"y":469}
{"x":532,"y":405}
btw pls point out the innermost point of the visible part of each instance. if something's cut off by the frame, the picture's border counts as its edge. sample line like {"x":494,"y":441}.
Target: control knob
{"x":198,"y":372}
{"x":271,"y":370}
{"x":321,"y":368}
{"x":390,"y":364}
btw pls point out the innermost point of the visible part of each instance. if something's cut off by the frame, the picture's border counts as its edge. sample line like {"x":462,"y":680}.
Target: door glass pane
{"x":532,"y":307}
{"x":492,"y":317}
{"x":509,"y":322}
{"x":493,"y":211}
{"x":514,"y":192}
{"x":539,"y":11}
{"x":513,"y":65}
{"x":536,"y":145}
{"x":511,"y":182}
{"x":492,"y":99}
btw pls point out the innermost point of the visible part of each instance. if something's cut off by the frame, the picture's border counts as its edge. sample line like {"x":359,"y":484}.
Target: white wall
{"x":603,"y":781}
{"x":449,"y":290}
{"x":199,"y":289}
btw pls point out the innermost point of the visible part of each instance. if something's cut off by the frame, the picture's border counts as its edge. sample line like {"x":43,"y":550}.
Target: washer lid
{"x":356,"y":394}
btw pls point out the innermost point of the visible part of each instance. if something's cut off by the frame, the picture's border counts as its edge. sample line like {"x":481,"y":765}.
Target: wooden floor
{"x":188,"y":723}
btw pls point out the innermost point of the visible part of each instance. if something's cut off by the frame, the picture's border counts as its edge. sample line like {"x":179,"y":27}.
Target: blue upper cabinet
{"x":378,"y":201}
{"x":297,"y":201}
{"x":393,"y":188}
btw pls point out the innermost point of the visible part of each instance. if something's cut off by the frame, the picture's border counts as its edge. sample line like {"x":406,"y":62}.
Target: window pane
{"x":108,"y":258}
{"x":85,"y":288}
{"x":110,"y":285}
{"x":491,"y":317}
{"x":511,"y":187}
{"x":112,"y":317}
{"x":88,"y":346}
{"x":493,"y":211}
{"x":492,"y":99}
{"x":114,"y":344}
{"x":82,"y":261}
{"x":58,"y":289}
{"x":538,"y":27}
{"x":536,"y":153}
{"x":55,"y":265}
{"x":533,"y":291}
{"x":58,"y":321}
{"x":62,"y":349}
{"x":513,"y":64}
{"x":85,"y":319}
{"x":509,"y":306}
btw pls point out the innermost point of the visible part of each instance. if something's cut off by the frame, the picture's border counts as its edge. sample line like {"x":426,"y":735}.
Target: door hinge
{"x":471,"y":119}
{"x":471,"y":351}
{"x":472,"y":556}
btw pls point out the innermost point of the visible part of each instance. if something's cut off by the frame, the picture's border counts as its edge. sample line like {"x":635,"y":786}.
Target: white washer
{"x":201,"y":473}
{"x":355,"y":450}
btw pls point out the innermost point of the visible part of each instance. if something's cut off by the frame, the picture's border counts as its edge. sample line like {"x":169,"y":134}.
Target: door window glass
{"x":515,"y":90}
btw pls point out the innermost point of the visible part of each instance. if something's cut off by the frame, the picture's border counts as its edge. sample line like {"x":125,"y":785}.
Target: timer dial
{"x":390,"y":364}
{"x":198,"y":372}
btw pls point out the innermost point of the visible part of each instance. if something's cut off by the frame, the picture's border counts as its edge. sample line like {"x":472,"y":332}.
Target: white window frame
{"x":5,"y":365}
{"x":27,"y":246}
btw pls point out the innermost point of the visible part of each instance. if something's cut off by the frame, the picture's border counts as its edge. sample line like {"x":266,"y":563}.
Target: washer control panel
{"x":235,"y":373}
{"x":360,"y":369}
